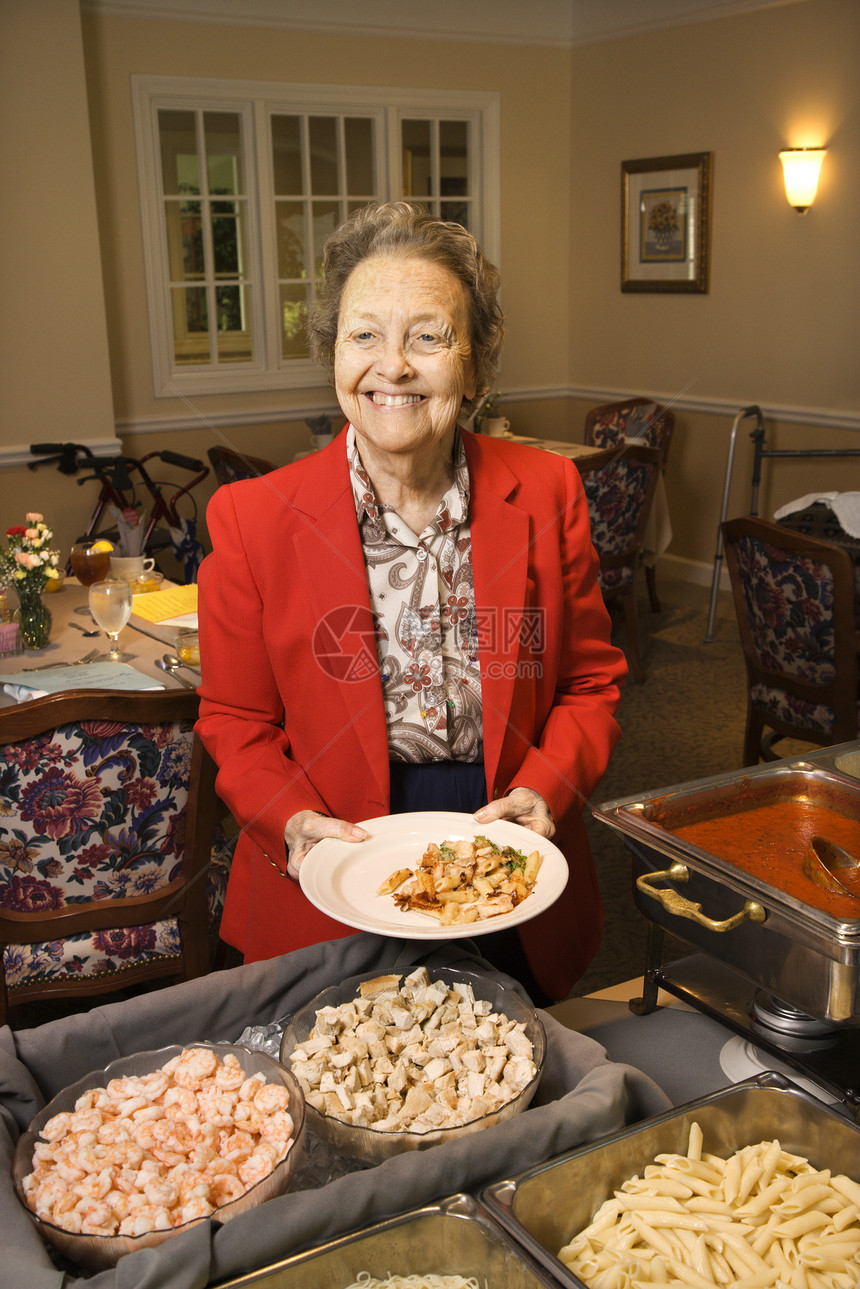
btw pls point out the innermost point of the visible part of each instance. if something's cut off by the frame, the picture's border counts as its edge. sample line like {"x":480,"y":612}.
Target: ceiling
{"x":527,"y":22}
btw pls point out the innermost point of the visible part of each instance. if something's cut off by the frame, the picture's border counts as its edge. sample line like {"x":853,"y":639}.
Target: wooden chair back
{"x":796,"y":609}
{"x":229,"y":466}
{"x":632,"y":420}
{"x":619,"y":486}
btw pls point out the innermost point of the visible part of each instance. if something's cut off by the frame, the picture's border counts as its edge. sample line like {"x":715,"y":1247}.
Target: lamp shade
{"x":801,"y":168}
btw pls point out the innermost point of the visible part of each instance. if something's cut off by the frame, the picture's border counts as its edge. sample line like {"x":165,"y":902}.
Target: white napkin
{"x":21,"y":693}
{"x":845,"y":506}
{"x":791,"y":507}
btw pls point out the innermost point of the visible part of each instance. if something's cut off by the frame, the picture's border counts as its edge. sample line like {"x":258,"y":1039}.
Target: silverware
{"x":78,"y":627}
{"x":46,"y":666}
{"x":172,"y":662}
{"x":162,"y":666}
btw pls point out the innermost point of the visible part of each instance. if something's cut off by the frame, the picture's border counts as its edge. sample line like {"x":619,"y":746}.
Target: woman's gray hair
{"x":407,"y":229}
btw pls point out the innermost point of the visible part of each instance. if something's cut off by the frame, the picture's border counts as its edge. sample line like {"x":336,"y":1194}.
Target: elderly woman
{"x":410,"y":618}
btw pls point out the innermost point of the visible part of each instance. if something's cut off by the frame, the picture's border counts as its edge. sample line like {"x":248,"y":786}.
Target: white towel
{"x":845,"y":506}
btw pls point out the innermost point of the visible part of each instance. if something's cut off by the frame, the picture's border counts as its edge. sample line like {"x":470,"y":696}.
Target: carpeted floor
{"x":684,"y":722}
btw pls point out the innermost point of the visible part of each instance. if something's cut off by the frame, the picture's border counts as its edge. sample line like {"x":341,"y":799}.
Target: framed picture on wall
{"x":666,"y":223}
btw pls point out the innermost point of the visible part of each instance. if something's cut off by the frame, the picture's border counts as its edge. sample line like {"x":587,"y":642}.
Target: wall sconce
{"x":801,"y":168}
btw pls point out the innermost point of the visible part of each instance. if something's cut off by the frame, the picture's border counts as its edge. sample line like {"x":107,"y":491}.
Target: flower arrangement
{"x":29,"y":563}
{"x":663,"y":218}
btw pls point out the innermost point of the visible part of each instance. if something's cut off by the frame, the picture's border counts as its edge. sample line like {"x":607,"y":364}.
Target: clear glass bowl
{"x":370,"y":1146}
{"x":97,"y":1253}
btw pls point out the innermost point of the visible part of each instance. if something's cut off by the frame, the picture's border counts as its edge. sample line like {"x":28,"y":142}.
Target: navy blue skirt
{"x":438,"y":785}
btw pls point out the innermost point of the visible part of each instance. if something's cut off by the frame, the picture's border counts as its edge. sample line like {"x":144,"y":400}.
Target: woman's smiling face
{"x":403,"y":361}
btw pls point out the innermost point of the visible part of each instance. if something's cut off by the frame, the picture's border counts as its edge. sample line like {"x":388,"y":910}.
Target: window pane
{"x":455,"y":212}
{"x":287,"y":156}
{"x":326,"y":216}
{"x":358,"y":136}
{"x":293,"y":301}
{"x":223,"y":152}
{"x":234,"y":337}
{"x":178,"y":144}
{"x":454,"y":158}
{"x":322,"y":132}
{"x":184,"y":240}
{"x":290,"y":216}
{"x":190,"y":325}
{"x":227,"y":238}
{"x":417,"y":171}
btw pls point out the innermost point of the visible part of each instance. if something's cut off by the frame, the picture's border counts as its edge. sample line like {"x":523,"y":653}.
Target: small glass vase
{"x":33,"y":617}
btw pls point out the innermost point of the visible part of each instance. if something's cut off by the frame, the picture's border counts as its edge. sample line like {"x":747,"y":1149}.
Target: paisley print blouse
{"x":423,"y":601}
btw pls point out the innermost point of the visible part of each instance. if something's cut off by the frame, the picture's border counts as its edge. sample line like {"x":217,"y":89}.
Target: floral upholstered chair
{"x":619,"y":487}
{"x":230,"y":466}
{"x":640,"y":421}
{"x":795,"y":603}
{"x":113,"y":866}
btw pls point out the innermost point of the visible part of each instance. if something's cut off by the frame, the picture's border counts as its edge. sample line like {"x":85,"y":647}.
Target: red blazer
{"x":291,"y":698}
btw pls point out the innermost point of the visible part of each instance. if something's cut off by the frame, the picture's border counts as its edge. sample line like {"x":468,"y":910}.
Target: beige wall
{"x":54,"y":373}
{"x":779,"y":326}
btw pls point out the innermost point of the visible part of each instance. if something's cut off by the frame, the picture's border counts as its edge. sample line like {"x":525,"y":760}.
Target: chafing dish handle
{"x":674,"y":903}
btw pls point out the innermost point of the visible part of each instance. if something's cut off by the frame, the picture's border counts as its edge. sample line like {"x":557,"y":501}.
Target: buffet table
{"x":582,"y":1096}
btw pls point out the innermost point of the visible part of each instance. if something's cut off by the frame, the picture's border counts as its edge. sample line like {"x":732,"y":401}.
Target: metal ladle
{"x":823,"y":860}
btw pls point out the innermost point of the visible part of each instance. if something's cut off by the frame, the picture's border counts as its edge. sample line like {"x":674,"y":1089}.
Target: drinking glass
{"x":89,"y":565}
{"x":110,"y":605}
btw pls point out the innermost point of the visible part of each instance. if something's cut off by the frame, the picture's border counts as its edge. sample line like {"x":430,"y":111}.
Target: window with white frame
{"x":242,"y":182}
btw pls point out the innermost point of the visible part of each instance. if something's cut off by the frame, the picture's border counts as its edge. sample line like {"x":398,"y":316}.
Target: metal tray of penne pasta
{"x":453,"y":1244}
{"x":758,"y":1183}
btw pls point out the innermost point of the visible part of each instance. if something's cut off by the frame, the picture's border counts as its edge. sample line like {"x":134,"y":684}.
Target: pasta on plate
{"x":465,"y":880}
{"x":762,"y":1218}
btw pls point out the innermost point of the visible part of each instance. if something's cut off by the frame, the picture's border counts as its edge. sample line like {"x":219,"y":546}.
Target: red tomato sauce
{"x":769,"y":842}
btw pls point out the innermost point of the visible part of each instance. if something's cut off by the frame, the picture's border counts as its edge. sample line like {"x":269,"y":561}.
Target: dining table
{"x":69,"y":644}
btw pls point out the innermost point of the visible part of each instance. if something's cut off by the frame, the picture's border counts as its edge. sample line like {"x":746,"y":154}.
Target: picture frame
{"x":666,"y":223}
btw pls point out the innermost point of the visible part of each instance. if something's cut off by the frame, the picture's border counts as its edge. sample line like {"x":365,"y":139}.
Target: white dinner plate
{"x":341,"y":877}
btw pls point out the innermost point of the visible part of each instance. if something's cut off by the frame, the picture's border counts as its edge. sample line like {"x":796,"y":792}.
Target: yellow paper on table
{"x":162,"y":613}
{"x":163,"y":606}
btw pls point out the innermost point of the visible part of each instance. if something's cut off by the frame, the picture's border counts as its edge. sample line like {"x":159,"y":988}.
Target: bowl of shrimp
{"x":155,"y":1143}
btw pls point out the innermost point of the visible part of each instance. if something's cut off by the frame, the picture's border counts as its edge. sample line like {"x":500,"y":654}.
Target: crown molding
{"x":558,"y":23}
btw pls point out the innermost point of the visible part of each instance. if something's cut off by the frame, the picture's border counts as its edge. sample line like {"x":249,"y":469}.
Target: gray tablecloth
{"x":582,"y":1096}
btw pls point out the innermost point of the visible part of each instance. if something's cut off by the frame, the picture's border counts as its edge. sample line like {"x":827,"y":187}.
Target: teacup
{"x":129,"y":567}
{"x":497,"y":427}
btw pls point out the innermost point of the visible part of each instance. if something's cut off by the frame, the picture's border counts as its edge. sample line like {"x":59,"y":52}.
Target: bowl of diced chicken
{"x":397,"y":1062}
{"x":155,"y":1143}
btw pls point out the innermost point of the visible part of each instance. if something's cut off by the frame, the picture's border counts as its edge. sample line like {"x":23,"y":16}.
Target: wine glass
{"x":110,"y":604}
{"x":89,"y":564}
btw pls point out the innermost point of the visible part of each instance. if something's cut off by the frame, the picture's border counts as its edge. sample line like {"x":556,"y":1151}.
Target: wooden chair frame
{"x":631,"y":557}
{"x":841,"y":693}
{"x":184,"y":898}
{"x":223,"y":460}
{"x":668,"y":419}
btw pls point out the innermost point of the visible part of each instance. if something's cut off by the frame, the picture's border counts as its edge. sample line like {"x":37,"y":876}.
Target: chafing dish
{"x":544,"y":1207}
{"x":453,"y":1237}
{"x":802,"y":955}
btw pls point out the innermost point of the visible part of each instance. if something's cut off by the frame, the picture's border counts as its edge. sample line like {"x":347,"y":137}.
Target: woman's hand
{"x":524,"y":807}
{"x":305,"y":828}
